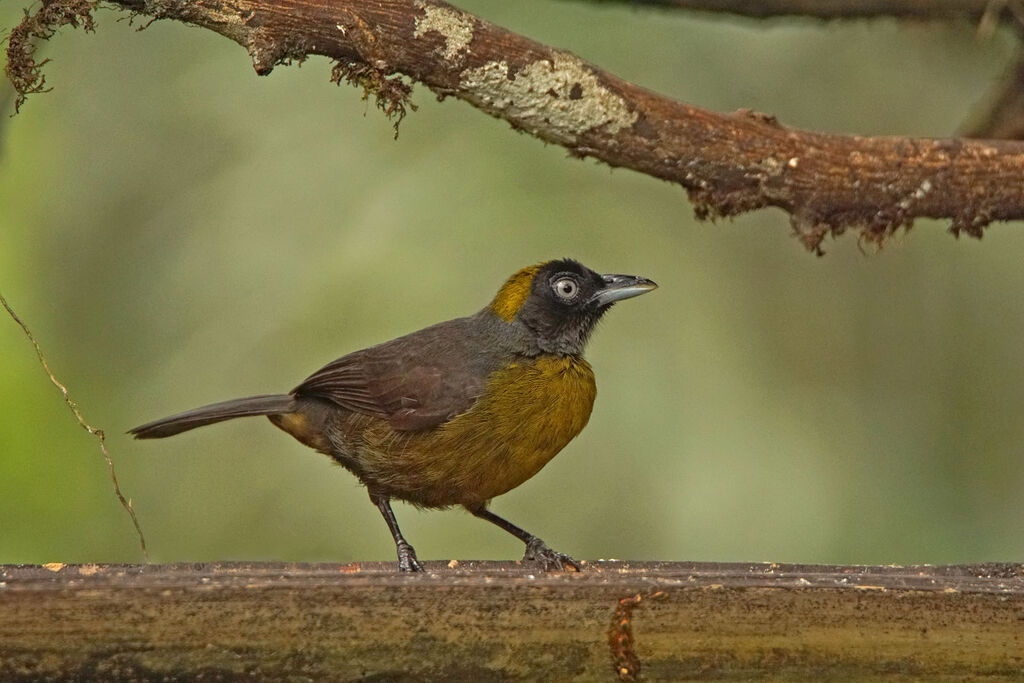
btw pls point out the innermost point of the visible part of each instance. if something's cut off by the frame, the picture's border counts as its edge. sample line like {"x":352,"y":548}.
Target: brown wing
{"x":414,"y":382}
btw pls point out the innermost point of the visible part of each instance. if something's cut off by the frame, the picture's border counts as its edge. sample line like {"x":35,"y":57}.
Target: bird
{"x":459,"y":412}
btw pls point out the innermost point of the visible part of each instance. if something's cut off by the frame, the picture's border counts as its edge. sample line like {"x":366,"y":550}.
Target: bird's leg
{"x":536,"y":549}
{"x":407,"y":561}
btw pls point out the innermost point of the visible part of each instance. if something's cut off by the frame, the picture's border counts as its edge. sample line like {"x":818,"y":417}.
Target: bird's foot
{"x":407,"y":561}
{"x":550,"y":560}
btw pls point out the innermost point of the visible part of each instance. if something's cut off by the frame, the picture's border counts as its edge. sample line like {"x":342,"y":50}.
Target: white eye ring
{"x":566,"y":288}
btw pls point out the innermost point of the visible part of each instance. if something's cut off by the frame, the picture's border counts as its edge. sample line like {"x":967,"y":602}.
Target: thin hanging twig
{"x":98,"y":433}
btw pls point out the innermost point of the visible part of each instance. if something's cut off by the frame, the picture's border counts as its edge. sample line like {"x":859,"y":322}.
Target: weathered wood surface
{"x":497,"y":621}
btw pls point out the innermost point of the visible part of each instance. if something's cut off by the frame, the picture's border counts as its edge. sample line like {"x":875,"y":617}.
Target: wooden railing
{"x":496,"y":620}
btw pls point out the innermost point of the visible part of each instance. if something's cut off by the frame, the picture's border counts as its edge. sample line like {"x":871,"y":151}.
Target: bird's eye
{"x":566,"y":288}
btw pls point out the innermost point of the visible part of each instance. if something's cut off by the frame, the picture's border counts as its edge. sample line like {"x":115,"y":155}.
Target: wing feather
{"x":415,"y":382}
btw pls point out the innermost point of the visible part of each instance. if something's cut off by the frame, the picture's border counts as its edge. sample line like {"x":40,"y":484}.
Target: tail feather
{"x":272,"y":404}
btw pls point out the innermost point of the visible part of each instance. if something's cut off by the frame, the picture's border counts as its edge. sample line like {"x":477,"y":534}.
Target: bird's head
{"x":560,"y":302}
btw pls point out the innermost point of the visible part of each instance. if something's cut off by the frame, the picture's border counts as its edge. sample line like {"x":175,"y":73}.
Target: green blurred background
{"x":177,"y":231}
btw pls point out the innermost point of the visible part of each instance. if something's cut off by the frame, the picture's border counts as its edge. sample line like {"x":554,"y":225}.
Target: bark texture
{"x":728,"y":163}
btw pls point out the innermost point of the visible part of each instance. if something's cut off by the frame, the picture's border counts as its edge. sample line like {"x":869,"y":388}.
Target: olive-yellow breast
{"x":456,"y":413}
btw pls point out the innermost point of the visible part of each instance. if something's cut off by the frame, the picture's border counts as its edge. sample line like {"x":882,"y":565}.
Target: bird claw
{"x":550,"y":560}
{"x":407,"y":561}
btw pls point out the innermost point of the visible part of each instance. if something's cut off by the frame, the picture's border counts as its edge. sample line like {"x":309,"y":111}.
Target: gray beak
{"x":619,"y":287}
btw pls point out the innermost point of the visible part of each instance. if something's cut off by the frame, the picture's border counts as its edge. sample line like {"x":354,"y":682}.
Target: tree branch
{"x":929,"y":10}
{"x":1005,"y":116}
{"x":1005,"y":120}
{"x":728,"y":163}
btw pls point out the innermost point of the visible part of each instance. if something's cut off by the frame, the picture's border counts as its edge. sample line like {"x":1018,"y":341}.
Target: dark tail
{"x":273,"y":404}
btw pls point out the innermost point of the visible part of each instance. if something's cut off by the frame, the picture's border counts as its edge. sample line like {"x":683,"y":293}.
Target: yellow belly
{"x":529,"y":412}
